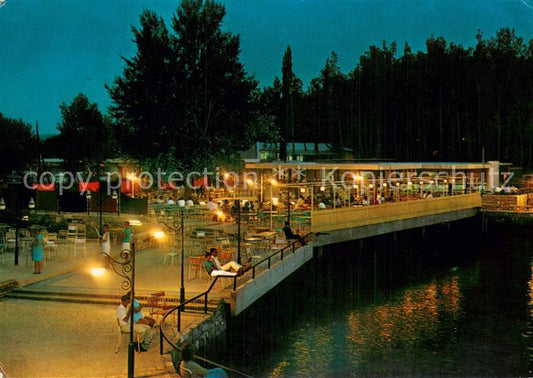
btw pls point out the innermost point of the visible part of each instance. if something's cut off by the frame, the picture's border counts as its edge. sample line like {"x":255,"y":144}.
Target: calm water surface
{"x":449,"y":301}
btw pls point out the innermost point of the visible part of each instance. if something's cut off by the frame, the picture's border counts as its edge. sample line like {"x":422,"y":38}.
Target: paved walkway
{"x":56,"y":339}
{"x":51,"y":339}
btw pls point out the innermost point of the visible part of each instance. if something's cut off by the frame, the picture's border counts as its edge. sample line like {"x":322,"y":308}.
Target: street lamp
{"x":180,"y":227}
{"x":126,"y":270}
{"x":88,"y":197}
{"x":272,"y":183}
{"x":115,"y":196}
{"x":31,"y":205}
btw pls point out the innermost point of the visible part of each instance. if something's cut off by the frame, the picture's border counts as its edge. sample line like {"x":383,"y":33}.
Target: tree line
{"x":184,"y":101}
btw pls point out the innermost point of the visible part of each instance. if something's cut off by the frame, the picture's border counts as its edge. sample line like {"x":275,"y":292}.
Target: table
{"x":266,"y":234}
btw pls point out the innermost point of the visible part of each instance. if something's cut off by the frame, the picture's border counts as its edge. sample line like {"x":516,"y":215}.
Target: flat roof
{"x":366,"y":166}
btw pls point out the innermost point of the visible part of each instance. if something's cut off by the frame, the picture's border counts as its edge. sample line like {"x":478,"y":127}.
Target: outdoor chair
{"x":157,"y":306}
{"x":3,"y":247}
{"x":119,"y":340}
{"x":170,"y":256}
{"x":185,"y":373}
{"x":195,"y":264}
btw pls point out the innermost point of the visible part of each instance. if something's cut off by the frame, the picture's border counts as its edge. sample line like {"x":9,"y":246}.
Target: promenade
{"x":42,"y":338}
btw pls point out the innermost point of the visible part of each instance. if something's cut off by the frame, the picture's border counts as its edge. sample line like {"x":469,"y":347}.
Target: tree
{"x":144,"y":98}
{"x":85,"y":137}
{"x":218,"y":98}
{"x":187,"y":89}
{"x":287,"y":124}
{"x":17,"y":145}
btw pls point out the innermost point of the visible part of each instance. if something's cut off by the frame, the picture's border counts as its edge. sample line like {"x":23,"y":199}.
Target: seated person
{"x":189,"y":202}
{"x":214,"y":268}
{"x":138,"y":317}
{"x":188,"y":368}
{"x":171,"y":201}
{"x":142,"y":331}
{"x":291,"y":235}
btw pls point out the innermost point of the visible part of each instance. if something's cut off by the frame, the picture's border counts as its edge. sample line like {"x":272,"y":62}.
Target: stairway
{"x":103,"y":299}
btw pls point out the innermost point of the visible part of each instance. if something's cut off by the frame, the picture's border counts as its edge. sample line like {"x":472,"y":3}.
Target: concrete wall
{"x":252,"y":290}
{"x":362,"y":232}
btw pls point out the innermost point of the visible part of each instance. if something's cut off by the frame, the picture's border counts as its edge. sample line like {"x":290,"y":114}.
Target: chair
{"x":10,"y":239}
{"x":170,"y":256}
{"x":3,"y":247}
{"x":156,"y":305}
{"x":119,"y":341}
{"x":195,"y":264}
{"x":185,"y":373}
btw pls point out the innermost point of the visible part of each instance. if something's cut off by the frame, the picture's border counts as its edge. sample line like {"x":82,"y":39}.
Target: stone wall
{"x":210,"y":332}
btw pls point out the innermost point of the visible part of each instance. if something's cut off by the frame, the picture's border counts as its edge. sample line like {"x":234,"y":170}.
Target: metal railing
{"x":289,"y":247}
{"x":180,"y":308}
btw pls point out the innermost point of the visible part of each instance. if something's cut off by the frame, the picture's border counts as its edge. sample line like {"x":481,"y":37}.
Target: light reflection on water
{"x":407,"y":319}
{"x":466,"y":313}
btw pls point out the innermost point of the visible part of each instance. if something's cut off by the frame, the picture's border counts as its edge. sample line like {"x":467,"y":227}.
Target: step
{"x":85,"y":298}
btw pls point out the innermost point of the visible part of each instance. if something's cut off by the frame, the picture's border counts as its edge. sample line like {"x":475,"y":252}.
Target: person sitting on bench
{"x":289,"y":235}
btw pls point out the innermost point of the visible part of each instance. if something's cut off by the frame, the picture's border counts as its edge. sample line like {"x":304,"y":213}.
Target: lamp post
{"x":88,"y":198}
{"x":238,"y":231}
{"x":181,"y":227}
{"x":31,"y":205}
{"x":272,"y":183}
{"x":126,"y":270}
{"x":116,"y":198}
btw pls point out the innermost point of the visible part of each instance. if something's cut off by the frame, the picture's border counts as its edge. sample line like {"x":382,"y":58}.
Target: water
{"x":446,"y":302}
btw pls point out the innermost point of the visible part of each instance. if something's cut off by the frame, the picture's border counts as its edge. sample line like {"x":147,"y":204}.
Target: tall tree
{"x":145,"y":99}
{"x":17,"y":145}
{"x":85,"y":135}
{"x":218,"y":98}
{"x":187,"y":89}
{"x":287,"y":124}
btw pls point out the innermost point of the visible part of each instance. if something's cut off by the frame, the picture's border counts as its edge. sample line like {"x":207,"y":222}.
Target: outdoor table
{"x":265,"y":234}
{"x":253,"y":239}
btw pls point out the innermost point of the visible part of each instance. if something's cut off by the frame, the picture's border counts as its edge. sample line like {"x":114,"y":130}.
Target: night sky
{"x":52,"y":50}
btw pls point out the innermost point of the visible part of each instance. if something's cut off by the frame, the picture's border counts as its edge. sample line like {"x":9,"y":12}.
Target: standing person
{"x":105,"y":239}
{"x":126,"y":236}
{"x":37,"y":251}
{"x":189,"y":368}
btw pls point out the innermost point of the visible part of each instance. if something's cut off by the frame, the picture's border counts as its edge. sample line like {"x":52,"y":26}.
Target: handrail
{"x":180,"y":308}
{"x":280,"y":251}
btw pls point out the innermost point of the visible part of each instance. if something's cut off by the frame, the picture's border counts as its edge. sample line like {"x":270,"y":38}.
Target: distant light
{"x":31,"y":205}
{"x":409,"y":183}
{"x":250,"y":182}
{"x":302,"y":190}
{"x":159,"y":234}
{"x":385,"y":185}
{"x":275,"y":200}
{"x":322,"y":188}
{"x":273,"y":181}
{"x":397,"y":184}
{"x":135,"y":222}
{"x":97,"y":272}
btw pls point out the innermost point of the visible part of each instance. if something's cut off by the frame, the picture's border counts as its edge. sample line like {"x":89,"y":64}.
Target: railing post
{"x":205,"y":303}
{"x":253,"y":272}
{"x":269,"y":262}
{"x":235,"y":283}
{"x":282,"y":254}
{"x":160,"y":339}
{"x":179,"y":319}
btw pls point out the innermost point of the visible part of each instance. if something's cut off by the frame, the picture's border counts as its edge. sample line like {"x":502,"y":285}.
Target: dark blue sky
{"x":51,"y":50}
